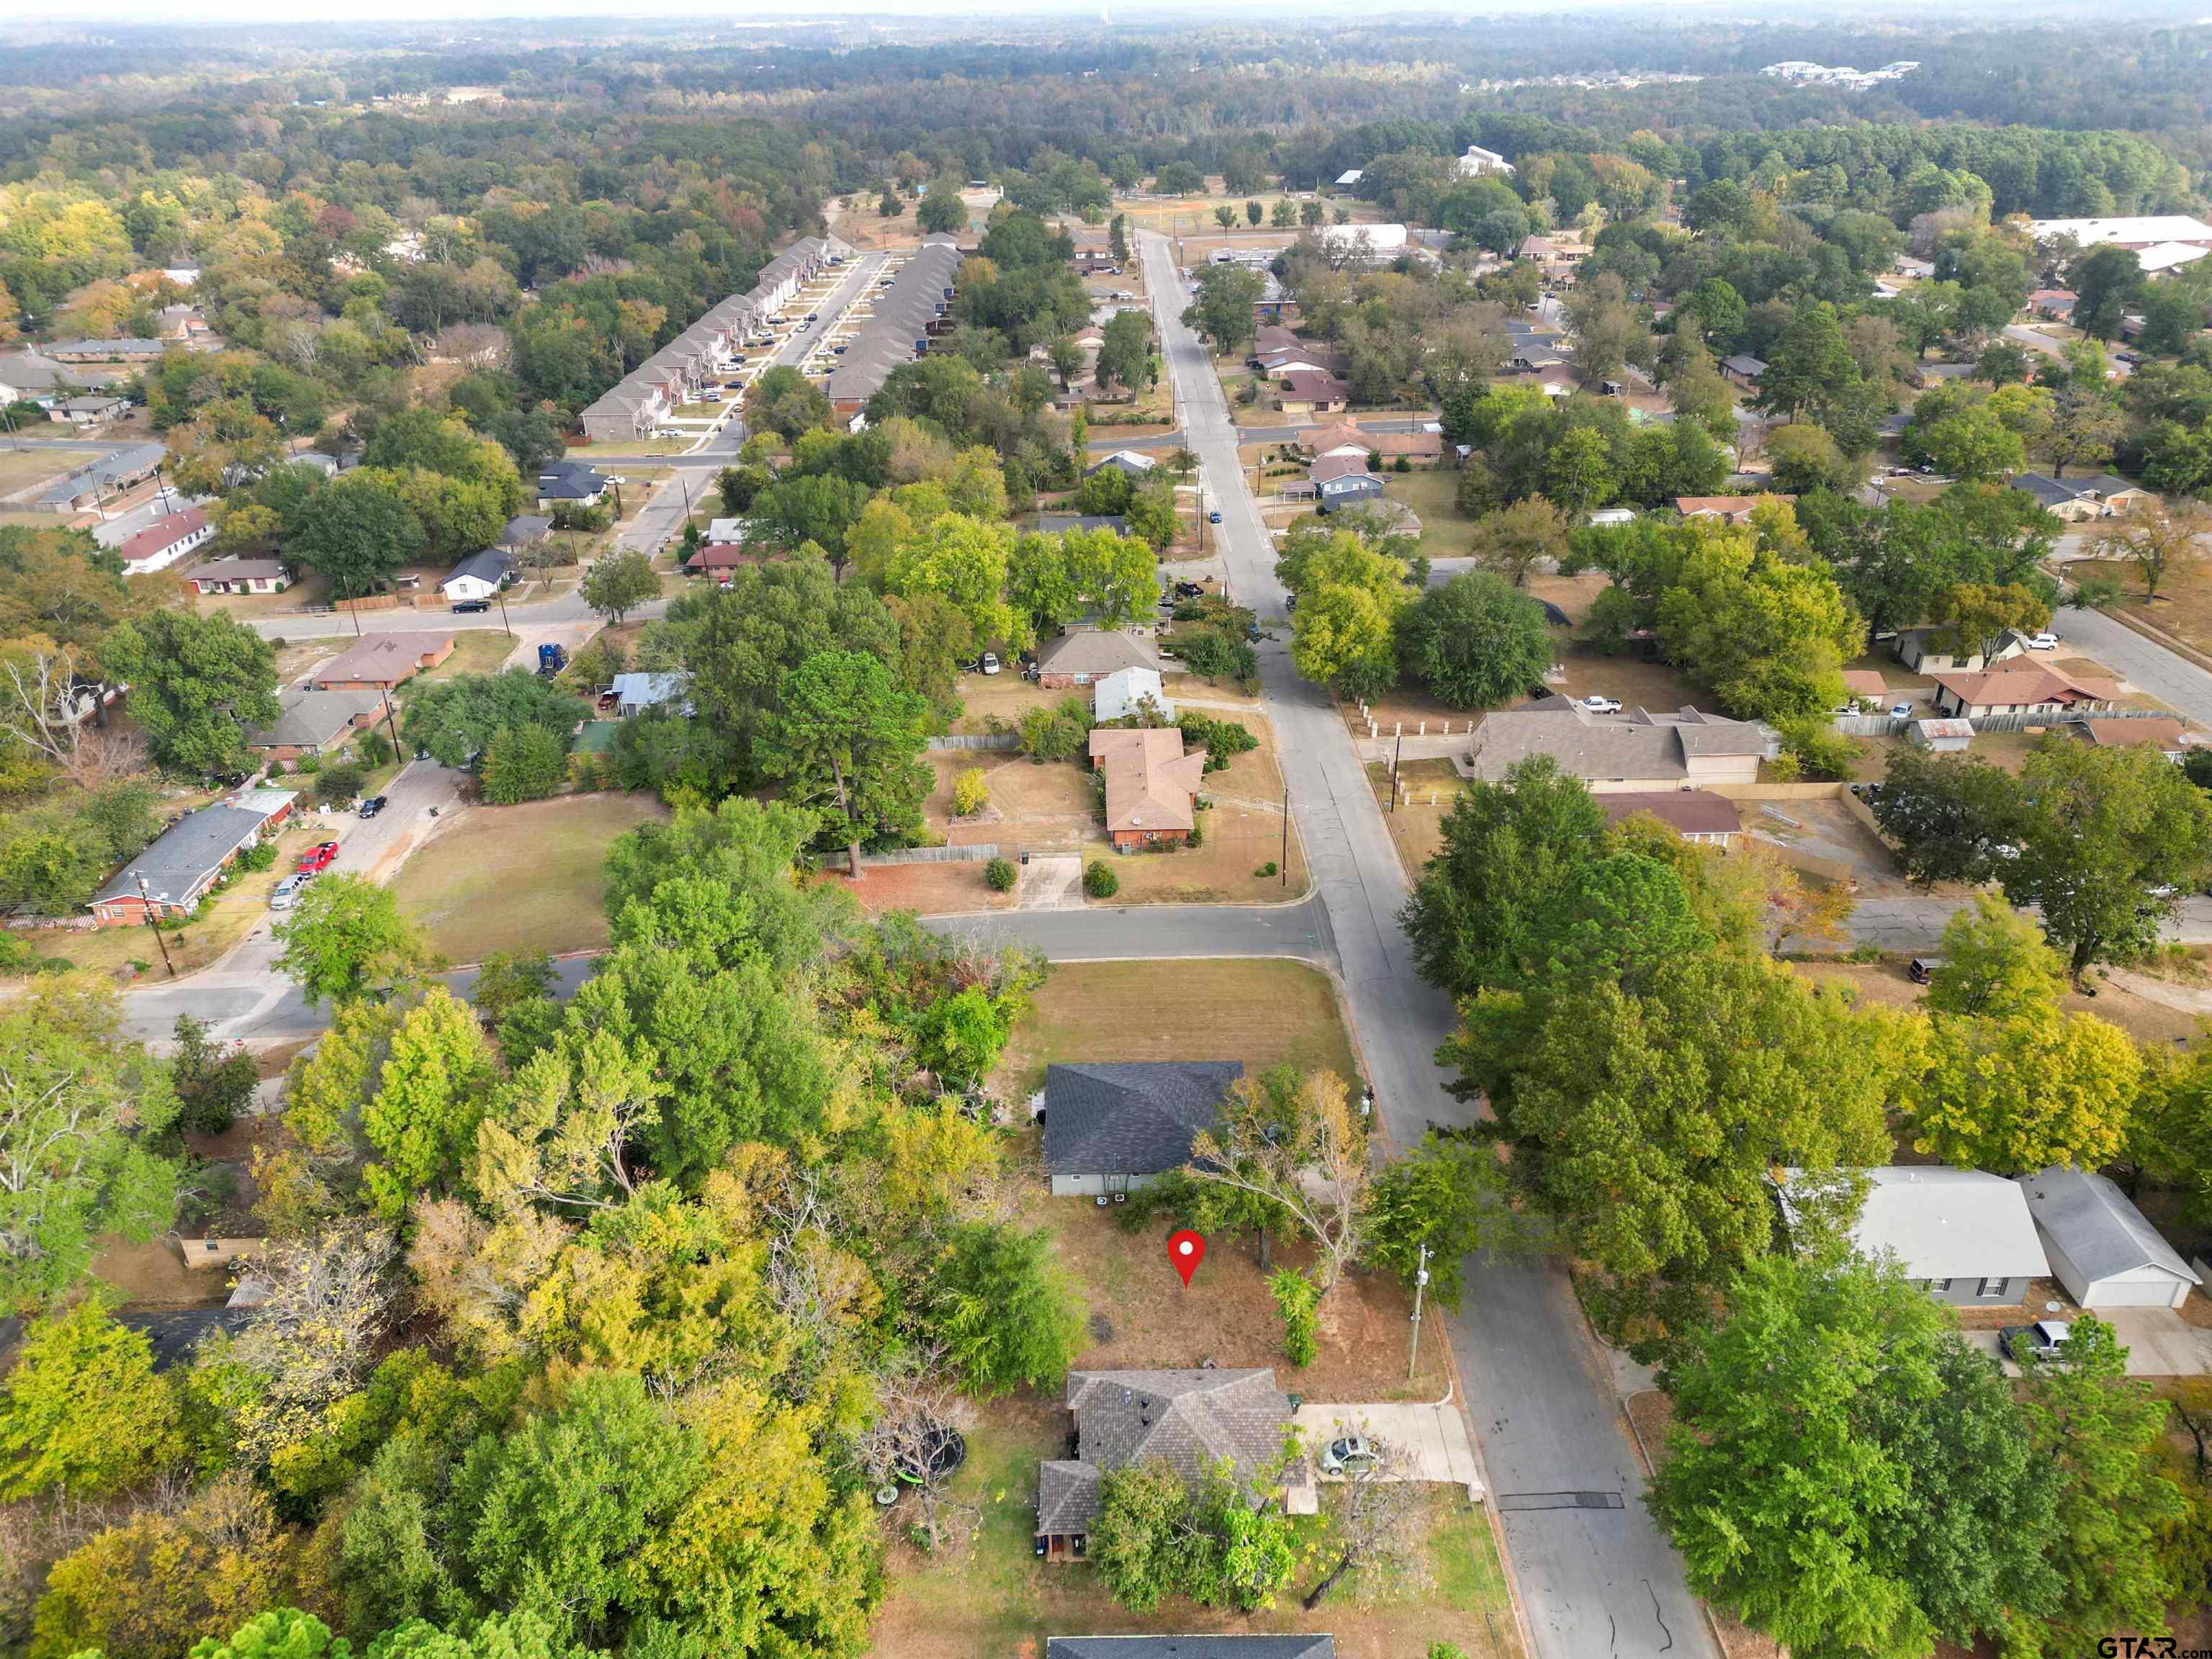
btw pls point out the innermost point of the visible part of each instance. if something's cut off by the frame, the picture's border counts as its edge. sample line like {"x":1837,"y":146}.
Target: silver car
{"x":286,"y":893}
{"x":1351,"y":1455}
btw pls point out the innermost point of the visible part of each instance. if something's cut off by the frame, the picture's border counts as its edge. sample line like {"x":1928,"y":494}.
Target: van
{"x":1921,"y":970}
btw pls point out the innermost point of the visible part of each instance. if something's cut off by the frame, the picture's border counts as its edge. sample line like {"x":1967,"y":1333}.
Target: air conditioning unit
{"x":1121,"y":1197}
{"x":1102,"y":1200}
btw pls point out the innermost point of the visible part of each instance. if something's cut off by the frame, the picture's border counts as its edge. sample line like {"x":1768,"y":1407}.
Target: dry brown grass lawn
{"x":1417,"y":826}
{"x":2145,"y":1021}
{"x":21,"y":468}
{"x":1007,"y":696}
{"x":928,"y":890}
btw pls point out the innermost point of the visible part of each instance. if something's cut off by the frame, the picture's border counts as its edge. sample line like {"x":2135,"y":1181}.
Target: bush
{"x":374,"y":747}
{"x":524,"y":763}
{"x":16,"y":956}
{"x":339,"y":782}
{"x":1059,"y":733}
{"x":276,"y":769}
{"x":999,"y":875}
{"x":1222,"y":740}
{"x":970,"y":793}
{"x":1197,"y":836}
{"x":262,"y":855}
{"x":1298,"y":1299}
{"x":1268,"y":869}
{"x":1819,"y":750}
{"x":1100,"y":881}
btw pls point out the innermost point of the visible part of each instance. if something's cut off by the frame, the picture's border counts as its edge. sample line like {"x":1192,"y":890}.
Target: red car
{"x":319,"y":859}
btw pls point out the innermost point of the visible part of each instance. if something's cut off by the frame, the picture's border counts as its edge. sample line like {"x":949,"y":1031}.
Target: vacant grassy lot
{"x":520,"y":878}
{"x":1262,"y":1012}
{"x":476,"y":651}
{"x":1446,"y":533}
{"x":21,"y":468}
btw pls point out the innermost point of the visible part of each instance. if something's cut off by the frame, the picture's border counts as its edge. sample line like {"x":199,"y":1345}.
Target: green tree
{"x":524,"y":763}
{"x":357,"y":530}
{"x":1448,"y":1196}
{"x":196,"y":683}
{"x":1996,"y":962}
{"x":1003,"y":1308}
{"x":617,"y":583}
{"x":2019,"y":1092}
{"x":455,"y":718}
{"x":850,"y":736}
{"x":346,"y":939}
{"x":1519,"y":539}
{"x":1814,"y":1481}
{"x":1135,"y":1541}
{"x":1975,"y":617}
{"x":1578,"y":472}
{"x":213,"y":1084}
{"x":942,"y":213}
{"x":1475,"y":642}
{"x":1808,"y":365}
{"x":431,"y":1094}
{"x":1125,"y":351}
{"x":82,"y":1413}
{"x":783,"y":401}
{"x":1221,"y":309}
{"x":1767,"y":634}
{"x":1350,"y":596}
{"x":1972,"y":444}
{"x":1946,"y":815}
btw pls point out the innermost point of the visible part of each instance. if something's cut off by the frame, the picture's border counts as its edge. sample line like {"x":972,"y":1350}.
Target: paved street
{"x":2144,"y":664}
{"x":1595,"y":1578}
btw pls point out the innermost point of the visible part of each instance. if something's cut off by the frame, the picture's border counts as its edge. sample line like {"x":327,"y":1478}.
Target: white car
{"x":1595,"y":704}
{"x":2043,"y":1339}
{"x":286,"y":893}
{"x":990,"y":662}
{"x":2046,"y":640}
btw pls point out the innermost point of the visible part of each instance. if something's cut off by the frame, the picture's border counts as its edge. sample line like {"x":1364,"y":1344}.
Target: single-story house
{"x":165,"y":541}
{"x":2114,"y":495}
{"x":1189,"y":1419}
{"x":1272,"y":337}
{"x":1084,"y":656}
{"x":525,"y":530}
{"x":93,"y":484}
{"x":1346,"y":488}
{"x":1942,"y":737}
{"x":1113,"y":1127}
{"x":134,"y":348}
{"x":2075,"y":500}
{"x":635,"y":693}
{"x":1866,"y":683}
{"x":174,"y":873}
{"x":314,"y":721}
{"x":1124,"y":460}
{"x":571,"y":484}
{"x":1697,"y":815}
{"x":1964,"y":1234}
{"x":718,"y":559}
{"x":2018,"y":687}
{"x":1125,"y":692}
{"x":1742,"y":368}
{"x":2170,"y":738}
{"x":1730,"y":510}
{"x":237,"y":575}
{"x":2102,"y":1249}
{"x":1300,"y":1645}
{"x":1922,"y":650}
{"x":90,"y":408}
{"x":1275,"y":365}
{"x":2055,"y":303}
{"x":1631,"y":753}
{"x":1151,"y":785}
{"x":1307,"y":394}
{"x":728,"y":531}
{"x":379,"y":662}
{"x":1611,"y":518}
{"x":479,"y":576}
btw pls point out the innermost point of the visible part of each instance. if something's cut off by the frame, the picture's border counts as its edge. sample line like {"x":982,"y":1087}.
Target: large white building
{"x":2138,"y":232}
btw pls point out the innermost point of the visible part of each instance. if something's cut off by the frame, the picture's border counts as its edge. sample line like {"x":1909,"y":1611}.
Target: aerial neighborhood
{"x":1105,"y":840}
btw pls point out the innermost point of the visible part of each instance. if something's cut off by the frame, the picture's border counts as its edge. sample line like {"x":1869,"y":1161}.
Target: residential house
{"x":2054,"y":304}
{"x":2115,"y":495}
{"x":479,"y":576}
{"x":898,"y":330}
{"x":1272,"y":337}
{"x":1192,"y":1421}
{"x":2164,"y":259}
{"x":1730,"y":510}
{"x":1349,"y":177}
{"x":1083,"y":656}
{"x":1866,"y":684}
{"x":571,"y":484}
{"x":1151,"y":786}
{"x":1742,"y":369}
{"x":1296,"y":360}
{"x":237,"y":575}
{"x":1111,"y":1128}
{"x":635,"y":693}
{"x":89,"y":409}
{"x":1636,"y":752}
{"x":1923,"y":650}
{"x":2075,"y":500}
{"x":1127,"y":692}
{"x":1138,"y":466}
{"x":2100,"y":1246}
{"x":1300,"y":393}
{"x":1697,"y":816}
{"x":108,"y":477}
{"x":2018,"y":687}
{"x":1478,"y":161}
{"x":525,"y":530}
{"x":173,"y":874}
{"x":1299,"y":1645}
{"x":2170,"y":738}
{"x":1346,"y":488}
{"x":165,"y":541}
{"x":718,"y":559}
{"x":1963,"y":1236}
{"x":29,"y":377}
{"x":314,"y":722}
{"x":137,"y":351}
{"x":379,"y":662}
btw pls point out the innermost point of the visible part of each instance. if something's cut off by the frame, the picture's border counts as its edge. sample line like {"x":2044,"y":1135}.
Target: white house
{"x":1123,"y":692}
{"x":479,"y":576}
{"x":1478,"y":161}
{"x":1965,"y":1235}
{"x":165,"y":541}
{"x":2100,"y":1247}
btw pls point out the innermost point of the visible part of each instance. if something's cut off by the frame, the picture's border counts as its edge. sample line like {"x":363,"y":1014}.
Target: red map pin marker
{"x":1186,"y":1249}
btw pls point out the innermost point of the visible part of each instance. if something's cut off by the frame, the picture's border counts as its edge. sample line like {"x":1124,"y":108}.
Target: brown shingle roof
{"x":2167,"y":735}
{"x":384,"y":658}
{"x":2023,"y":682}
{"x":1149,"y":781}
{"x":1690,"y":811}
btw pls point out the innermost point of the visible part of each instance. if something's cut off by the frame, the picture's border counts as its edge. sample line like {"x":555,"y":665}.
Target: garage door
{"x":2147,"y":1292}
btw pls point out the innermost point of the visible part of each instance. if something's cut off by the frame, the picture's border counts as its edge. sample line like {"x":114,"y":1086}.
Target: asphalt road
{"x":1596,"y":1574}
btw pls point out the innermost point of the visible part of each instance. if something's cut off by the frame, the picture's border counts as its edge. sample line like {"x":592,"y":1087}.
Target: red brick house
{"x":1151,"y":785}
{"x":379,"y":662}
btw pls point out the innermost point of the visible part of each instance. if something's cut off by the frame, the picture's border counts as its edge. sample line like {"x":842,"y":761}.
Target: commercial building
{"x":2138,"y":232}
{"x":898,"y":331}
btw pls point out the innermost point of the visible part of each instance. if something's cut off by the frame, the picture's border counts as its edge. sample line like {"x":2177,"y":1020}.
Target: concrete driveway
{"x":1433,"y":1438}
{"x":2159,"y":1343}
{"x":376,"y":847}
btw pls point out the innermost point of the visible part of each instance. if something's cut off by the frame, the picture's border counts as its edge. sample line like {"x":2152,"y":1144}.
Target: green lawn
{"x":520,"y":878}
{"x":1445,"y":532}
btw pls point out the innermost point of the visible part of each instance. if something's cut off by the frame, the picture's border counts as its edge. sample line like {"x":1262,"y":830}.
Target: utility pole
{"x":500,"y":593}
{"x":1286,"y":835}
{"x":1396,"y":755}
{"x":146,"y":903}
{"x":1420,"y":1284}
{"x":391,"y":724}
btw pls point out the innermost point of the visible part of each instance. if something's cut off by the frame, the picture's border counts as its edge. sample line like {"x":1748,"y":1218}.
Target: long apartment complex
{"x":899,"y":328}
{"x":675,"y":374}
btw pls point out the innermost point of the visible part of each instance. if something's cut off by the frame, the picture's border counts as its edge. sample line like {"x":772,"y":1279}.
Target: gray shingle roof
{"x":1067,"y":1497}
{"x":2049,"y":491}
{"x":902,"y":315}
{"x":524,"y":528}
{"x":1294,"y":1645}
{"x":489,"y":564}
{"x":1189,"y":1419}
{"x":192,"y":849}
{"x":1597,"y":747}
{"x":311,"y":719}
{"x":1093,"y":650}
{"x":1130,"y":1119}
{"x":2093,"y":1222}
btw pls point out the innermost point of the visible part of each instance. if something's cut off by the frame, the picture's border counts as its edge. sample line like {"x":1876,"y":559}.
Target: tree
{"x":1767,"y":634}
{"x":1221,"y":309}
{"x":1802,"y":458}
{"x":1975,"y":617}
{"x":783,"y":401}
{"x":2085,"y":429}
{"x":1996,"y":963}
{"x":1578,"y":472}
{"x":1225,"y":217}
{"x":1134,"y":1542}
{"x":942,"y":213}
{"x":1125,"y":351}
{"x":1808,"y":365}
{"x":849,"y":731}
{"x":346,"y":940}
{"x":213,"y":1084}
{"x":2019,"y":1092}
{"x":431,"y":1094}
{"x":1814,"y":1481}
{"x":1382,"y":1522}
{"x":2155,"y":540}
{"x":80,"y":1114}
{"x":617,"y":583}
{"x":82,"y":1414}
{"x":1946,"y":815}
{"x":1448,"y":1196}
{"x":1004,"y":1310}
{"x":1350,"y":596}
{"x":2106,"y":280}
{"x":2099,"y":1430}
{"x":456,"y":719}
{"x":1972,"y":444}
{"x":1475,"y":642}
{"x":1518,"y":539}
{"x":357,"y":530}
{"x":2109,"y":841}
{"x":1295,"y":1143}
{"x":524,"y":763}
{"x":196,"y":683}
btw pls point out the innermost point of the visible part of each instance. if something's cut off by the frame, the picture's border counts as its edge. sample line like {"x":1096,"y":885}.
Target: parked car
{"x":319,"y":858}
{"x":990,"y":663}
{"x":1921,"y":969}
{"x":2046,"y":641}
{"x":1900,"y":711}
{"x":286,"y":893}
{"x":2043,"y":1339}
{"x":1214,"y":517}
{"x":469,"y":607}
{"x":1189,"y":590}
{"x":1349,"y":1455}
{"x":372,"y":806}
{"x":1595,"y":704}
